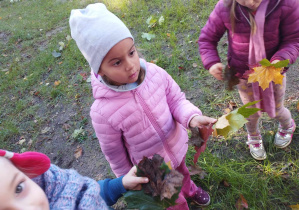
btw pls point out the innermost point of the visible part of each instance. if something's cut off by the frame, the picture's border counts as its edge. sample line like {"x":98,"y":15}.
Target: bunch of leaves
{"x":234,"y":120}
{"x":230,"y":76}
{"x":62,"y":46}
{"x":267,"y":73}
{"x":162,"y":189}
{"x":152,"y":22}
{"x":199,"y":138}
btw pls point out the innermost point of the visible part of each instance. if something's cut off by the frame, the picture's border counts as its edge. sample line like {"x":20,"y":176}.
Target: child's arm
{"x":210,"y":36}
{"x":112,"y":189}
{"x":289,"y":33}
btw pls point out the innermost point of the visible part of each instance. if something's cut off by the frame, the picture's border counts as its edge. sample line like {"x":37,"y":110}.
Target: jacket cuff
{"x":111,"y":190}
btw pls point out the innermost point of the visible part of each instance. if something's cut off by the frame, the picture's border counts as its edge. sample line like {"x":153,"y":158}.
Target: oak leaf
{"x":241,"y":203}
{"x":267,"y":73}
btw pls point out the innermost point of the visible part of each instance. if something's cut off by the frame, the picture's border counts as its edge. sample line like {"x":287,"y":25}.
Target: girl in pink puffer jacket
{"x":139,"y":110}
{"x":256,"y":29}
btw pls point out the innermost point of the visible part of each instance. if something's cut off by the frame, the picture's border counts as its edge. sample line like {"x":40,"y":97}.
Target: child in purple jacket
{"x":139,"y":110}
{"x":29,"y":181}
{"x":256,"y":29}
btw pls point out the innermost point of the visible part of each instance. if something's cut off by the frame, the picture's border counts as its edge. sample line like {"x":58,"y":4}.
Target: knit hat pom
{"x":32,"y":164}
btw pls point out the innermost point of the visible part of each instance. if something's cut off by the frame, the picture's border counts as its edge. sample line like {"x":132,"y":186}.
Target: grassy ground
{"x":45,"y":99}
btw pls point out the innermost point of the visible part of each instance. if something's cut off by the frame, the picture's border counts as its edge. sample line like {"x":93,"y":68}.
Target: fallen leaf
{"x":56,"y":54}
{"x":241,"y":203}
{"x":78,"y":132}
{"x":298,"y":106}
{"x":196,"y":170}
{"x":194,"y":65}
{"x":21,"y":141}
{"x":78,"y":152}
{"x":151,"y":21}
{"x":294,"y":207}
{"x":232,"y":105}
{"x":56,"y":83}
{"x":225,"y":183}
{"x":161,"y":20}
{"x":66,"y":126}
{"x":168,"y":34}
{"x":148,"y":36}
{"x":267,"y":73}
{"x":45,"y":130}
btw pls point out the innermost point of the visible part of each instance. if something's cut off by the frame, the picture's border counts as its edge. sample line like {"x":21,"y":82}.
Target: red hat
{"x":32,"y":164}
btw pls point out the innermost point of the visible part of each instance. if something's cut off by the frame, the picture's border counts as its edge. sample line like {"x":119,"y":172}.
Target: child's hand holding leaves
{"x":132,"y":182}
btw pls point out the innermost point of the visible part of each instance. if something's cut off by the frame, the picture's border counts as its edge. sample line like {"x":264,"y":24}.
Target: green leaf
{"x":234,"y":120}
{"x":56,"y":54}
{"x":148,"y":36}
{"x":265,"y":62}
{"x":151,"y":22}
{"x":281,"y":64}
{"x":246,"y":112}
{"x":161,"y":20}
{"x":140,"y":200}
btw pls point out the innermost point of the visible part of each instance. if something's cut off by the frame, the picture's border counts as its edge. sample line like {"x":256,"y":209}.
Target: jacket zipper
{"x":157,"y":128}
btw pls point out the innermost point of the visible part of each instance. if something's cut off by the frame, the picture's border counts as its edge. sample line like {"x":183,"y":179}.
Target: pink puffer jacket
{"x":149,"y":119}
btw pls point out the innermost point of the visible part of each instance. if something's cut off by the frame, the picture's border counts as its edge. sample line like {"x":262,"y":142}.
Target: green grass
{"x":30,"y":101}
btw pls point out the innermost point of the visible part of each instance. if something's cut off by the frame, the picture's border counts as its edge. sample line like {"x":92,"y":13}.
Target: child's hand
{"x":200,"y":120}
{"x":132,"y":182}
{"x":216,"y":71}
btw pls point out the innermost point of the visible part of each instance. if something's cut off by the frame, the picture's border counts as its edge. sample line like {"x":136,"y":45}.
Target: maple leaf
{"x":267,"y":73}
{"x":234,"y":120}
{"x":294,"y":207}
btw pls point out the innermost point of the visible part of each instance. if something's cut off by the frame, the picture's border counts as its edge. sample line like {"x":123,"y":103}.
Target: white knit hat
{"x":96,"y":31}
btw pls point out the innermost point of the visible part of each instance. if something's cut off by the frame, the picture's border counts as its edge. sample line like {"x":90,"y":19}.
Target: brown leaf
{"x":298,"y":106}
{"x":171,"y":182}
{"x":241,"y":203}
{"x":66,"y":126}
{"x":162,"y":181}
{"x":225,"y":183}
{"x":78,"y":152}
{"x":195,"y":169}
{"x":232,"y":105}
{"x":230,"y":77}
{"x":199,"y":139}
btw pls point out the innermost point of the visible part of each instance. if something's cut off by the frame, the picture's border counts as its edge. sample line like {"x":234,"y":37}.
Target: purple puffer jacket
{"x":149,"y":119}
{"x":281,"y":34}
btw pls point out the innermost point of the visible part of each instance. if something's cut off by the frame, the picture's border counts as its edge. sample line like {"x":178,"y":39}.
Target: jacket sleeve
{"x":181,"y":108}
{"x":112,"y":144}
{"x":67,"y":189}
{"x":112,"y":190}
{"x":209,"y":37}
{"x":289,"y":30}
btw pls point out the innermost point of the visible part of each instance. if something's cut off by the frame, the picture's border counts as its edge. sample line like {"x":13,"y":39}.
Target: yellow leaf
{"x":295,"y":207}
{"x":266,"y":74}
{"x":56,"y":83}
{"x":169,"y":165}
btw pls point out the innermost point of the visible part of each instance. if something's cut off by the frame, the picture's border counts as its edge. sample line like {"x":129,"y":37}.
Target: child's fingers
{"x":141,"y":180}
